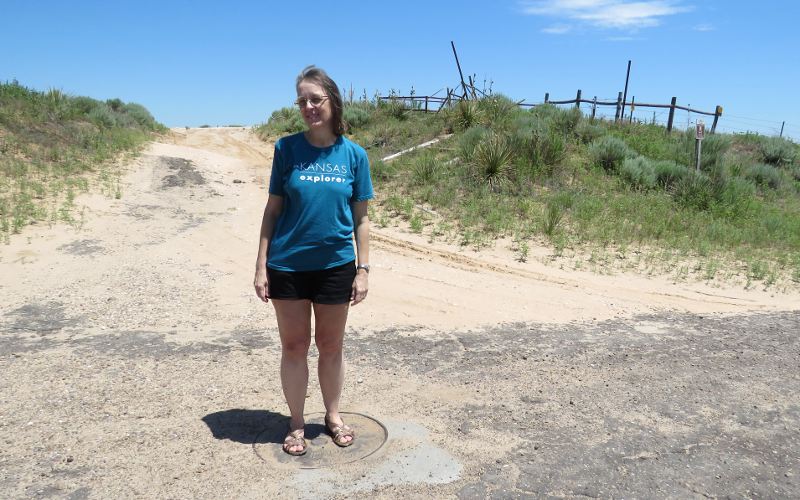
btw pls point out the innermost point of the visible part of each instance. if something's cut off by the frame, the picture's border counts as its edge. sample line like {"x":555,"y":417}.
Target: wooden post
{"x":463,"y":85}
{"x":717,"y":114}
{"x":782,"y":124}
{"x":654,"y":118}
{"x":630,"y":116}
{"x":671,"y":114}
{"x":619,"y":108}
{"x":625,"y":96}
{"x":546,"y":97}
{"x":426,"y":104}
{"x":594,"y":106}
{"x":578,"y":99}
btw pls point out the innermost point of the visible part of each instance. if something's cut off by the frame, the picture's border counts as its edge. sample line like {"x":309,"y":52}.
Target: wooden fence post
{"x":671,"y":114}
{"x":546,"y":97}
{"x":619,"y":107}
{"x":426,"y":104}
{"x":633,"y":105}
{"x":594,"y":106}
{"x":717,"y":114}
{"x":578,"y":99}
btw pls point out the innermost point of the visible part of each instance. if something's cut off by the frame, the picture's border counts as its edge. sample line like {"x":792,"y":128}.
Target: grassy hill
{"x":602,"y":195}
{"x":54,"y":146}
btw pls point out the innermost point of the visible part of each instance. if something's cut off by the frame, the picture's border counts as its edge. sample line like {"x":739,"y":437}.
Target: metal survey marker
{"x":322,"y":451}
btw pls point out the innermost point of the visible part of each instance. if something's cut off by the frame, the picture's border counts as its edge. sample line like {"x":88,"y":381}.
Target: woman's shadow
{"x":254,"y":426}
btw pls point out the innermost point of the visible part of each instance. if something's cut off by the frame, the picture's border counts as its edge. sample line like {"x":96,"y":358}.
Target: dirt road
{"x":137,"y":362}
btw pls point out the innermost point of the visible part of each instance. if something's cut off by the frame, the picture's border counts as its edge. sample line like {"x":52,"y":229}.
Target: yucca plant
{"x":668,"y":173}
{"x":694,"y":191}
{"x":424,"y":169}
{"x":492,"y":161}
{"x":465,"y":115}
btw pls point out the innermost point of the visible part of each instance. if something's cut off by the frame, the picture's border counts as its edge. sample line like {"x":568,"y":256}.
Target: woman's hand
{"x":360,"y":287}
{"x":261,"y":282}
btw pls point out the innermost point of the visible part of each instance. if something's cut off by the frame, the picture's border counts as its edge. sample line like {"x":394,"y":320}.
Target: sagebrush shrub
{"x":589,"y":132}
{"x":286,"y":121}
{"x":638,"y":173}
{"x":777,"y":151}
{"x":764,"y":175}
{"x":566,"y":121}
{"x":496,"y":111}
{"x":469,"y":139}
{"x":355,"y":116}
{"x":608,"y":153}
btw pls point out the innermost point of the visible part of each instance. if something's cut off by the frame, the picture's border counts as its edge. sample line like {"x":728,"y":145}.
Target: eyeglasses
{"x":314,"y":101}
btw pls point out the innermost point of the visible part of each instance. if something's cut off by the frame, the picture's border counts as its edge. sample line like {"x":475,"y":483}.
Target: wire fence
{"x":611,"y":109}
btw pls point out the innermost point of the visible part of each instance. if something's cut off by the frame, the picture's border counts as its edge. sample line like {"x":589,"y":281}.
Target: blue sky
{"x":220,"y":63}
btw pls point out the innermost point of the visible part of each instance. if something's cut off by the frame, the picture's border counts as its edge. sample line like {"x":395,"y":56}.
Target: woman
{"x":318,"y":194}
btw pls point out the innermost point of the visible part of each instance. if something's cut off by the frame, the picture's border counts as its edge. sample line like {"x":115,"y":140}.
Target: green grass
{"x":617,"y":193}
{"x":54,"y":146}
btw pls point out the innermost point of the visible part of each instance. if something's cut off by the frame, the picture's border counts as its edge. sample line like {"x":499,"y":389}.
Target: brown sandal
{"x":295,"y":438}
{"x":339,"y":432}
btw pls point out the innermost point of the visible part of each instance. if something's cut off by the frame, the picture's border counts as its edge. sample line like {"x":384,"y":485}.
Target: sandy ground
{"x":137,"y":362}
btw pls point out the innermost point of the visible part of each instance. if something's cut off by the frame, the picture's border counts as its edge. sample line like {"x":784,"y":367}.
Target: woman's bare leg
{"x":329,"y":324}
{"x":294,"y":325}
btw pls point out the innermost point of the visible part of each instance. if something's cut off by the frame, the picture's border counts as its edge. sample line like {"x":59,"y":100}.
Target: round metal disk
{"x":322,"y":451}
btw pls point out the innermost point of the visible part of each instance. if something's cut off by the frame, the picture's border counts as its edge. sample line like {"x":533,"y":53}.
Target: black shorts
{"x":326,"y":286}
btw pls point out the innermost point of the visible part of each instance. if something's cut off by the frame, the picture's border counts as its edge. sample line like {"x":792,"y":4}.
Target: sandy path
{"x":122,"y":339}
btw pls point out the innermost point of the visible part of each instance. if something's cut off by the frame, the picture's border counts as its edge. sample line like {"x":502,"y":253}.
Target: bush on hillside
{"x":736,"y":197}
{"x":588,"y":132}
{"x":695,"y":190}
{"x":668,"y":173}
{"x":285,"y":121}
{"x":712,"y":153}
{"x":469,"y":139}
{"x":764,"y":175}
{"x":565,"y":121}
{"x":609,"y":153}
{"x":355,"y":116}
{"x":492,"y":161}
{"x":777,"y":151}
{"x":496,"y":111}
{"x":638,"y":173}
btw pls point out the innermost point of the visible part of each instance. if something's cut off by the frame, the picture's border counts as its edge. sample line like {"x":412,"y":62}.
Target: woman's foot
{"x":295,"y":443}
{"x":342,"y":434}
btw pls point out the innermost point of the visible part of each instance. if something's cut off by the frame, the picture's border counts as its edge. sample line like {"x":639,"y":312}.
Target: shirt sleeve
{"x":362,"y":184}
{"x":276,"y":177}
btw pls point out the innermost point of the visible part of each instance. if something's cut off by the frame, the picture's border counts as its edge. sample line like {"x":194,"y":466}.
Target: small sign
{"x":701,"y":129}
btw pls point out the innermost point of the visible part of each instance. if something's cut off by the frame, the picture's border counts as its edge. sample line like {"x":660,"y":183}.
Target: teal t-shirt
{"x":315,"y":228}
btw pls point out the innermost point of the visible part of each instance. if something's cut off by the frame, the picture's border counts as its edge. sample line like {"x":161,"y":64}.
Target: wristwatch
{"x":363,"y":266}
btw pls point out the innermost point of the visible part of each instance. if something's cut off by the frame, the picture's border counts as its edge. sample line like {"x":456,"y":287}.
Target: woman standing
{"x":318,"y":194}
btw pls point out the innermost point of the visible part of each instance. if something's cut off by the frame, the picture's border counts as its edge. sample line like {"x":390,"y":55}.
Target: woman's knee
{"x":296,"y":346}
{"x":329,"y":346}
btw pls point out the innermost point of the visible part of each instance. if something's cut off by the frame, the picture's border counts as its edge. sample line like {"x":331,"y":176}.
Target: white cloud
{"x":703,"y":27}
{"x":557,"y":29}
{"x":614,"y":14}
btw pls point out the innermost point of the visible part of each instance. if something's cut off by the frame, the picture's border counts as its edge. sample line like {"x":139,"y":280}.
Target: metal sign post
{"x":700,"y":130}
